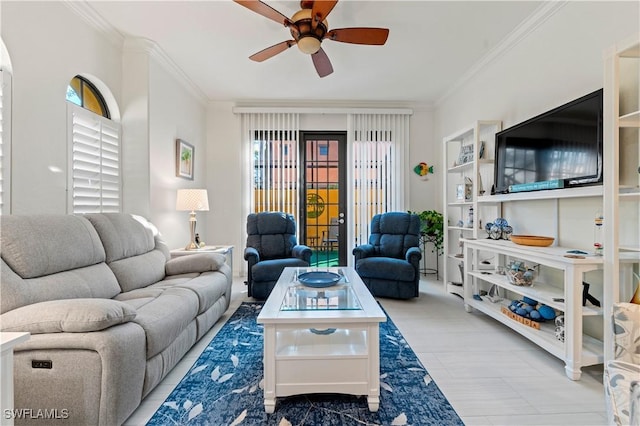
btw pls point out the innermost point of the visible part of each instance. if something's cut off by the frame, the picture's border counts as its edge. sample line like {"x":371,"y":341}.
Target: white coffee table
{"x":321,"y":340}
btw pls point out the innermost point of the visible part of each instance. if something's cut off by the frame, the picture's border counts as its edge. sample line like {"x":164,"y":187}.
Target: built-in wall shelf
{"x":578,"y":192}
{"x":630,"y":120}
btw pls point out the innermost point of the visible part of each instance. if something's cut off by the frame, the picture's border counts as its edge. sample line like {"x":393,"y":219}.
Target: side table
{"x":7,"y":343}
{"x":226,"y":250}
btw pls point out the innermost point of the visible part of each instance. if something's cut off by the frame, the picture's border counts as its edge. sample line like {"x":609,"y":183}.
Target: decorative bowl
{"x":319,"y":279}
{"x":532,"y":240}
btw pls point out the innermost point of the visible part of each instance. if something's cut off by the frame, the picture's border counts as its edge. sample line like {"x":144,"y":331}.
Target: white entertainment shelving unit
{"x":578,"y":349}
{"x":622,"y":176}
{"x":478,"y":168}
{"x":562,"y":277}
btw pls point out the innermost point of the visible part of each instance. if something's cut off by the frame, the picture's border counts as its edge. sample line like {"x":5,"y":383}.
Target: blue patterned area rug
{"x":224,"y":387}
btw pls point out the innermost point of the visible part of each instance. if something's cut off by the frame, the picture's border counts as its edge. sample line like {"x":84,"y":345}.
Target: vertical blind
{"x":5,"y":157}
{"x":271,"y":148}
{"x":378,"y":154}
{"x":95,"y":176}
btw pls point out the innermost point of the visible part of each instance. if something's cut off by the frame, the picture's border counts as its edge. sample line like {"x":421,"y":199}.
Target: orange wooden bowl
{"x":532,"y":240}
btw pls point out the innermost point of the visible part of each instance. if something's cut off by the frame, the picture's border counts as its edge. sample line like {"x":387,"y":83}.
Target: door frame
{"x":341,"y":137}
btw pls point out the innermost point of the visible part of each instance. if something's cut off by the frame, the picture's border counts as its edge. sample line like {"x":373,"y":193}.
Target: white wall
{"x":48,"y":45}
{"x":174,"y":113}
{"x":560,"y":60}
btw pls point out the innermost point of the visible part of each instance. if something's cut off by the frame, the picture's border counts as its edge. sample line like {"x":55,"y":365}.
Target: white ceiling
{"x":431,"y":46}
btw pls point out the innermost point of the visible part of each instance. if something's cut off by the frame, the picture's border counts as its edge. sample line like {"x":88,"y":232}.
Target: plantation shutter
{"x":5,"y":157}
{"x":379,"y":157}
{"x":95,"y":159}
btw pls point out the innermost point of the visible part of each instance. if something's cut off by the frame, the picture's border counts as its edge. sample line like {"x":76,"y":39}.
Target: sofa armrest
{"x":67,"y":315}
{"x":197,"y":262}
{"x":302,"y":252}
{"x":413,"y":256}
{"x":363,"y":251}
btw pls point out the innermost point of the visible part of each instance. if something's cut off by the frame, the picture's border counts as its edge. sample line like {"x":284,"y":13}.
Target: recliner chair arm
{"x":414,"y":255}
{"x":363,"y":251}
{"x":302,"y":252}
{"x":251,"y":255}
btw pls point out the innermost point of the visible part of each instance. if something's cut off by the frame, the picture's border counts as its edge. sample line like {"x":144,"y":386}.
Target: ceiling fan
{"x":309,"y":27}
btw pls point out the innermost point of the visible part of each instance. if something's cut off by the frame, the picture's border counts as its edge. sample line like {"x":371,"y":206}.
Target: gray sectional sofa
{"x":106,"y":306}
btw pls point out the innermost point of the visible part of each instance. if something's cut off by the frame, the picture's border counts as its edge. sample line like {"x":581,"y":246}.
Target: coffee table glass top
{"x":335,"y":296}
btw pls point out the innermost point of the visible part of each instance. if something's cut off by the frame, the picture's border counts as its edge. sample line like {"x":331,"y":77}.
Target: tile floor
{"x":490,"y":374}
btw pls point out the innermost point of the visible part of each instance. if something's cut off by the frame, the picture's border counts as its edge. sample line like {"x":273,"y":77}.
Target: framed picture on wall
{"x":184,"y":159}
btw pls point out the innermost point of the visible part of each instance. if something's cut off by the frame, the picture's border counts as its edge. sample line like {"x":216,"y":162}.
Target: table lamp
{"x":192,"y":200}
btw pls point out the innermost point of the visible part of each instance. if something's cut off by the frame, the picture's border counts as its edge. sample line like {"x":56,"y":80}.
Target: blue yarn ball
{"x":547,"y":312}
{"x":535,"y":315}
{"x":521,"y":312}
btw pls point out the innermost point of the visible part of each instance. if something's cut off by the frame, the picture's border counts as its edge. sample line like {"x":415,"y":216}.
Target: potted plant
{"x":432,"y":226}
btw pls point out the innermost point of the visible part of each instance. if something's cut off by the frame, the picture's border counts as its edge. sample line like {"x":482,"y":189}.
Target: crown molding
{"x":150,"y":47}
{"x":522,"y":31}
{"x":93,"y":18}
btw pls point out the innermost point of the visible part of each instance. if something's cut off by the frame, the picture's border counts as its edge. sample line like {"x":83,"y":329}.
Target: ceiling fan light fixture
{"x":309,"y":45}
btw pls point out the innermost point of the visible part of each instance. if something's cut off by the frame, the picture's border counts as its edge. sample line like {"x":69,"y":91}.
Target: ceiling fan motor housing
{"x":308,"y":38}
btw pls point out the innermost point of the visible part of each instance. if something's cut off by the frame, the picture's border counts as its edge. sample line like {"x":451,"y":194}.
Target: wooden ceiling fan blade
{"x":374,"y":36}
{"x":322,"y":63}
{"x":265,"y":10}
{"x":272,"y":51}
{"x":320,"y":10}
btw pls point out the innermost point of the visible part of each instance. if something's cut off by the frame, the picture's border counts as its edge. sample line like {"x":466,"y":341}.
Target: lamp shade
{"x":192,"y":199}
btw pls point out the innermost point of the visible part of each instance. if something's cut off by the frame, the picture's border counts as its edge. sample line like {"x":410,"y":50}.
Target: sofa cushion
{"x":270,"y":270}
{"x":71,"y":316}
{"x":38,"y":245}
{"x":139,"y":271}
{"x":386,"y":268}
{"x":122,"y":235}
{"x":163,"y":318}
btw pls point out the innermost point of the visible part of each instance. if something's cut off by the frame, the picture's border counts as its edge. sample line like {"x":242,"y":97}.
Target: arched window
{"x":84,"y":94}
{"x":94,"y":151}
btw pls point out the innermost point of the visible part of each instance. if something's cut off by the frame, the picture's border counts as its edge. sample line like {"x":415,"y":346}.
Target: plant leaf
{"x":234,"y":360}
{"x":401,"y":420}
{"x":239,"y":419}
{"x":284,"y":422}
{"x":171,"y":404}
{"x":198,"y":369}
{"x":225,"y":377}
{"x":386,"y":387}
{"x":427,"y":379}
{"x":215,"y":374}
{"x":196,"y":410}
{"x":187,"y":404}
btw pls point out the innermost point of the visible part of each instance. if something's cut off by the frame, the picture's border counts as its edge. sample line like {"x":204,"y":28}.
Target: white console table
{"x":578,"y":349}
{"x":7,"y":342}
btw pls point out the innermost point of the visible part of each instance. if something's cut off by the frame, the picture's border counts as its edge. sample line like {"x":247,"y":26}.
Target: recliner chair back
{"x":392,"y":234}
{"x":273,"y":234}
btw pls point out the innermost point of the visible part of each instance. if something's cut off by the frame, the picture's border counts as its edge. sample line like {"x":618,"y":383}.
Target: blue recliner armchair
{"x":390,"y":264}
{"x":271,"y":247}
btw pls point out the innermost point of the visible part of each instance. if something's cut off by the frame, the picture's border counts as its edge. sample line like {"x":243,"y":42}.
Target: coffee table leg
{"x":270,"y":406}
{"x":374,"y":367}
{"x":269,"y":360}
{"x":374,"y":403}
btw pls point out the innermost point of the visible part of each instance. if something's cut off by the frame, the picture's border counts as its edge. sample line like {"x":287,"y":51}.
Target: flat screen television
{"x":560,"y":148}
